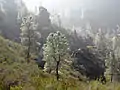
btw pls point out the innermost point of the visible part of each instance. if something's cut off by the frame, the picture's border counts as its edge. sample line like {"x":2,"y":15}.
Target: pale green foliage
{"x":113,"y":59}
{"x":56,"y":45}
{"x":100,"y":41}
{"x":29,"y":35}
{"x":116,"y":45}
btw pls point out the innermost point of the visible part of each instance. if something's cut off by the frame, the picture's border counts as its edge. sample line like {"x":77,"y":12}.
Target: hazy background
{"x":100,"y":13}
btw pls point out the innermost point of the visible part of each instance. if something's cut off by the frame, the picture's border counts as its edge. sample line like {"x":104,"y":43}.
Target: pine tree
{"x":101,"y":43}
{"x":54,"y":51}
{"x":115,"y":61}
{"x":29,"y":35}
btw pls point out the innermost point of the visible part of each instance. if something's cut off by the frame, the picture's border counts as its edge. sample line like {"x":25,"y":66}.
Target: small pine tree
{"x":54,"y":50}
{"x":101,"y":42}
{"x":29,"y":35}
{"x":115,"y":58}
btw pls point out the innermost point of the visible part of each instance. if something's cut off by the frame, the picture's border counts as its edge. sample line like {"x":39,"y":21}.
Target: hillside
{"x":17,"y":75}
{"x":74,"y":47}
{"x":10,"y":51}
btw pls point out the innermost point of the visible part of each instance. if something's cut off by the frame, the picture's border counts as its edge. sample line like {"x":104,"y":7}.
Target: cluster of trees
{"x":38,"y":34}
{"x":107,"y":47}
{"x":53,"y":42}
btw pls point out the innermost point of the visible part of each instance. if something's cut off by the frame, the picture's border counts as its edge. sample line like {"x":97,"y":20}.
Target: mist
{"x":59,"y":44}
{"x":77,"y":11}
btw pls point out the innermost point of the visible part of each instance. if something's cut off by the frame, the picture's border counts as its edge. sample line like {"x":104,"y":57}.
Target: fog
{"x":57,"y":5}
{"x":73,"y":13}
{"x":77,"y":10}
{"x":78,"y":41}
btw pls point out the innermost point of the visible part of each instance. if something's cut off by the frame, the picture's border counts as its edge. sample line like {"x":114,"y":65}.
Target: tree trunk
{"x":112,"y":66}
{"x":29,"y":44}
{"x":28,"y":54}
{"x":111,"y":78}
{"x":57,"y":68}
{"x":116,"y":78}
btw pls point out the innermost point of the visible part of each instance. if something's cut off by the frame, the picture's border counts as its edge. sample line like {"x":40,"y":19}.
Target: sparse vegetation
{"x":22,"y":76}
{"x":36,"y":48}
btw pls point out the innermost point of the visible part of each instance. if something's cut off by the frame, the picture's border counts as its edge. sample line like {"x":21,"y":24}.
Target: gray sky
{"x":57,"y":5}
{"x":98,"y":9}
